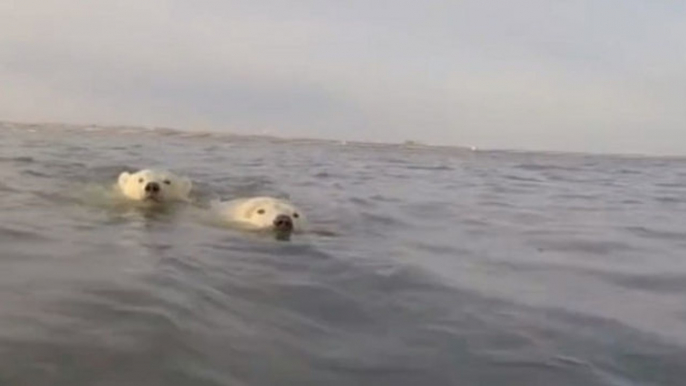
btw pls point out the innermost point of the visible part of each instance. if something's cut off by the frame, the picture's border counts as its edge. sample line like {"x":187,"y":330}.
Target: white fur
{"x":258,"y":212}
{"x":172,"y":187}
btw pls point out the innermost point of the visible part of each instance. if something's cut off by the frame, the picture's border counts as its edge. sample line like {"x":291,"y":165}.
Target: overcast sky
{"x":581,"y":75}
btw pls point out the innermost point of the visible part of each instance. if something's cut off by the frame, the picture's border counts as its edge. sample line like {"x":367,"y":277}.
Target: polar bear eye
{"x":260,"y":211}
{"x":140,"y":180}
{"x":167,"y":182}
{"x":296,"y":215}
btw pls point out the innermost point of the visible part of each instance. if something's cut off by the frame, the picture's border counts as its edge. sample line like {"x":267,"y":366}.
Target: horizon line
{"x":406,"y":143}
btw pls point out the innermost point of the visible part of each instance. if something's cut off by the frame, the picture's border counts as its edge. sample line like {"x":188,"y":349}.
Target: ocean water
{"x":436,"y":266}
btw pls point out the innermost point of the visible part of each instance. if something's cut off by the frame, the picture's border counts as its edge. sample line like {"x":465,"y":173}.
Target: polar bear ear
{"x":123,"y":178}
{"x":185,"y":185}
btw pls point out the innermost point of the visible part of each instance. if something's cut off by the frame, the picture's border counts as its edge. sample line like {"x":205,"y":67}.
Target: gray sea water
{"x":439,"y":266}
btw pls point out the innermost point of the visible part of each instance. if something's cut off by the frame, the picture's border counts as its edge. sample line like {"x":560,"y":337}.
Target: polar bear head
{"x":154,"y":185}
{"x":269,"y":213}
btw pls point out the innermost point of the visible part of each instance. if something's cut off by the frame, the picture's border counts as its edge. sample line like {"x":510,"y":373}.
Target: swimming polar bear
{"x":154,"y":185}
{"x":262,"y":213}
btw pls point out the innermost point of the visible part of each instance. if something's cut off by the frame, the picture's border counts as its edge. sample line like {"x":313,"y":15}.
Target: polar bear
{"x":262,"y":213}
{"x":154,"y":186}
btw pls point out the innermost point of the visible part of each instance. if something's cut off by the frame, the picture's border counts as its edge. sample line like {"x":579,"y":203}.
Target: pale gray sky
{"x":582,"y":75}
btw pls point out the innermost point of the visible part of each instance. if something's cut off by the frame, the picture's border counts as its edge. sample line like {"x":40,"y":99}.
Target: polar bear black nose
{"x":152,"y":187}
{"x":283,"y":222}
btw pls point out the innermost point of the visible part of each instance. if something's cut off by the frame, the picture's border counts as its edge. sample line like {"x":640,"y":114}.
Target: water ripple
{"x":439,"y":266}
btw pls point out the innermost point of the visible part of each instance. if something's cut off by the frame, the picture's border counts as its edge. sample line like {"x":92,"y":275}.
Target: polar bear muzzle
{"x":283,"y":227}
{"x":283,"y":222}
{"x":153,"y":191}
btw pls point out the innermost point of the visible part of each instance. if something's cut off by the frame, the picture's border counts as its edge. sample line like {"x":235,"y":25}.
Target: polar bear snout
{"x":283,"y":223}
{"x":152,"y":191}
{"x":152,"y":188}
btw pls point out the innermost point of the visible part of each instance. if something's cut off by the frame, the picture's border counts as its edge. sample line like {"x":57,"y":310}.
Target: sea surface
{"x":426,"y":266}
